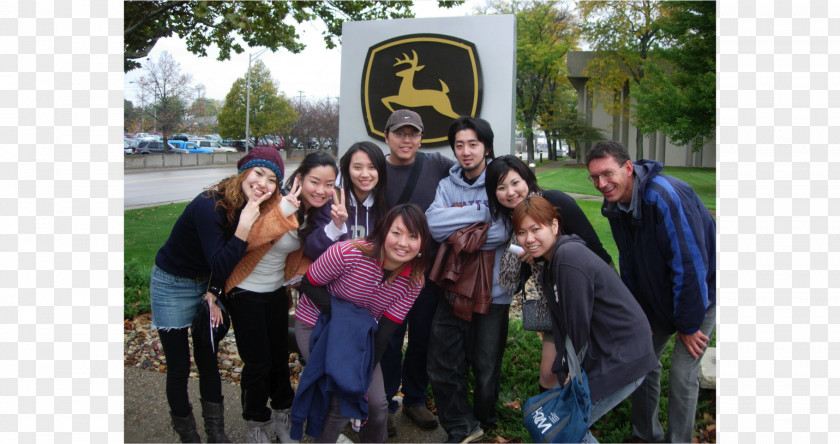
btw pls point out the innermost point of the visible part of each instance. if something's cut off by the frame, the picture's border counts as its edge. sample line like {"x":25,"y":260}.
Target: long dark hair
{"x":496,"y":172}
{"x":415,"y":221}
{"x":378,"y":159}
{"x":310,"y":162}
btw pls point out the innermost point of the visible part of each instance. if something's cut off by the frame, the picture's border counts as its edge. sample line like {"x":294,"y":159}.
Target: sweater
{"x":666,"y":249}
{"x":201,"y":244}
{"x":588,"y":294}
{"x":445,"y":219}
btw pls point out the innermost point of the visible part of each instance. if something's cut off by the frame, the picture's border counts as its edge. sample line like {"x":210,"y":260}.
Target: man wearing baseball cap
{"x":403,"y":134}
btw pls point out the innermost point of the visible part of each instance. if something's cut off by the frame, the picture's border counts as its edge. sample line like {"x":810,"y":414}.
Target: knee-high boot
{"x":185,"y":427}
{"x":214,"y":420}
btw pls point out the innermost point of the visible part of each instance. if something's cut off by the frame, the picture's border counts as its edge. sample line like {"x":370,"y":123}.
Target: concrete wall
{"x":139,"y":161}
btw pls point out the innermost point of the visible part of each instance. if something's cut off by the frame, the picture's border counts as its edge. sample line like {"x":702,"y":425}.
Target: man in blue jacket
{"x":666,"y":243}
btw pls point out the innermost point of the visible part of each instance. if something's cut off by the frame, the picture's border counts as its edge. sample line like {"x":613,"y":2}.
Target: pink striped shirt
{"x":352,"y":276}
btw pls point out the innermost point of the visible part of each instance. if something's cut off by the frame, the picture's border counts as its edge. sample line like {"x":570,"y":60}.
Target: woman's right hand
{"x":249,"y":215}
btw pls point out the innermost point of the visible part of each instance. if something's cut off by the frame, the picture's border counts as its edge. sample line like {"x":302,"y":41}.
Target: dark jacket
{"x":360,"y":223}
{"x":587,"y":293}
{"x":202,"y":243}
{"x":666,"y":248}
{"x":465,"y":271}
{"x":340,"y":364}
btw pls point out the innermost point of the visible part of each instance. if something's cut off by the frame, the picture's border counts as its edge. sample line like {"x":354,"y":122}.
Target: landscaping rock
{"x":708,"y":369}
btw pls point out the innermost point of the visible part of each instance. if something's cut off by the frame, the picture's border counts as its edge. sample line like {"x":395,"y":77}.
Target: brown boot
{"x":214,"y":420}
{"x":185,"y":427}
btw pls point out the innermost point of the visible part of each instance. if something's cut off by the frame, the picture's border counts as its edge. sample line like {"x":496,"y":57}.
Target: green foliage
{"x":269,"y":109}
{"x":677,"y":96}
{"x":257,"y":23}
{"x":146,"y":230}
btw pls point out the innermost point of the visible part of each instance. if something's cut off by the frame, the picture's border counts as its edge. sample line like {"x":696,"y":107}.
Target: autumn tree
{"x":171,"y":92}
{"x":623,"y":34}
{"x":269,"y":109}
{"x":544,"y":34}
{"x":677,"y":96}
{"x":257,"y":23}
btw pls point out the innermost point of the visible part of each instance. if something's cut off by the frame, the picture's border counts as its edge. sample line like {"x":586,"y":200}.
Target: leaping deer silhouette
{"x":410,"y":97}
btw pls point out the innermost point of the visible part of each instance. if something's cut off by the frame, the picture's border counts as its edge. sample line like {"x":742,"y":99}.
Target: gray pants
{"x":682,"y":391}
{"x":376,"y":428}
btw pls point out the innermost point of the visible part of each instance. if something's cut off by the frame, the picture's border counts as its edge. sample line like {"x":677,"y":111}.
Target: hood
{"x":458,"y":178}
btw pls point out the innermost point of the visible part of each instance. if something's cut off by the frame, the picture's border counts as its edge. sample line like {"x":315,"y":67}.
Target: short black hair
{"x":482,"y":130}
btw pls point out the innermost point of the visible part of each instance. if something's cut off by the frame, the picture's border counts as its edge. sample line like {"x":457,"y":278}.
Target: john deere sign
{"x":437,"y":76}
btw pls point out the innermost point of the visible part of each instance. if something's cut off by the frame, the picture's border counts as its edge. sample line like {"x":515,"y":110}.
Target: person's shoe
{"x":214,"y":420}
{"x":185,"y":427}
{"x":474,"y":436}
{"x":421,"y":416}
{"x":282,"y":424}
{"x":259,"y":431}
{"x":392,"y":427}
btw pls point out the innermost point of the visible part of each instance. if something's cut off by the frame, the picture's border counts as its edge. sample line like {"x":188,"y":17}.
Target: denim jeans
{"x":455,"y":345}
{"x":602,"y":406}
{"x":682,"y":391}
{"x":261,"y":325}
{"x":375,"y":430}
{"x":411,"y":371}
{"x":174,"y":299}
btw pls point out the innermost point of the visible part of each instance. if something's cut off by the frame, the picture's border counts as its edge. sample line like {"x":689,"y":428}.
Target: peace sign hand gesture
{"x":249,"y":215}
{"x":294,"y":194}
{"x":338,"y":210}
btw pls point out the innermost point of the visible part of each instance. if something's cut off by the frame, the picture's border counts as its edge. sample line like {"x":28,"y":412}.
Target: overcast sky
{"x":315,"y":71}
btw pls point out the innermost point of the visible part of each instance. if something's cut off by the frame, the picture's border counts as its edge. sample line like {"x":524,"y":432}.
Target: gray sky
{"x":315,"y":71}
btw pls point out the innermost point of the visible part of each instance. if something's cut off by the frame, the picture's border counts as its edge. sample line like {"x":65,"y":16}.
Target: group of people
{"x":362,"y":237}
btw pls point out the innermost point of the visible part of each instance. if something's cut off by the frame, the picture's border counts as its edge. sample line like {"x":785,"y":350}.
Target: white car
{"x":215,"y":146}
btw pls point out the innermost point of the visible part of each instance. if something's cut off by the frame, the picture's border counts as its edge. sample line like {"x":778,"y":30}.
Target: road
{"x":146,"y":188}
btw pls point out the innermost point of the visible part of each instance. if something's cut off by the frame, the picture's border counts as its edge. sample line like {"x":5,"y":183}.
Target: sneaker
{"x":357,"y":424}
{"x":282,"y":425}
{"x":343,"y":439}
{"x":258,"y":431}
{"x":421,"y":416}
{"x":392,"y":427}
{"x":475,"y":435}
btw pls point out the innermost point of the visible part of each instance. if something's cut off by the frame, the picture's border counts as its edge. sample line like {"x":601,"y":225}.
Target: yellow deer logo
{"x":412,"y":98}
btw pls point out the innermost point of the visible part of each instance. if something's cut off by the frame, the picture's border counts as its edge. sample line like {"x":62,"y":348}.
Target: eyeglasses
{"x":606,"y":175}
{"x":410,"y":136}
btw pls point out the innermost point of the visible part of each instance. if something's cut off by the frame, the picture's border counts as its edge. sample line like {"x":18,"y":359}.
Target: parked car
{"x":191,"y":147}
{"x":214,"y":137}
{"x":181,"y":137}
{"x":155,"y":147}
{"x":240,"y":145}
{"x":215,"y":146}
{"x":127,"y":148}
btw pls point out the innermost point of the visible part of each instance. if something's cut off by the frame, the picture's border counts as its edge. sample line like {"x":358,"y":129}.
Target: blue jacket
{"x":666,"y":246}
{"x":340,"y":364}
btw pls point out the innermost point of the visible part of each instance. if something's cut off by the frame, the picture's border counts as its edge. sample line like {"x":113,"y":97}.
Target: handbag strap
{"x":419,"y":158}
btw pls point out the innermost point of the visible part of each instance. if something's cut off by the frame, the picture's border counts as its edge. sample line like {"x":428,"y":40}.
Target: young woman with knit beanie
{"x":257,"y":295}
{"x":206,"y":243}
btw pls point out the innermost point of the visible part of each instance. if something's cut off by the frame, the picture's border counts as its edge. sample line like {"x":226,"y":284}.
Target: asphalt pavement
{"x":146,"y":413}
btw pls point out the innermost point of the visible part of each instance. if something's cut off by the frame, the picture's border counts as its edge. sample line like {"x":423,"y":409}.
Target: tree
{"x":577,"y":132}
{"x":622,"y":34}
{"x":677,"y":96}
{"x":543,"y":37}
{"x":132,"y":116}
{"x":171,"y":91}
{"x":269,"y":109}
{"x":257,"y":23}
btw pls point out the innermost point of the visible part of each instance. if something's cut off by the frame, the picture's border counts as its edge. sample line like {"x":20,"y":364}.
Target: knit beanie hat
{"x":263,"y":157}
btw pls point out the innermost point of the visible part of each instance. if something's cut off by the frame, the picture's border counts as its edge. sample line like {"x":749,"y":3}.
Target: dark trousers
{"x":411,"y":371}
{"x":260,"y":326}
{"x":456,"y":345}
{"x":176,"y":349}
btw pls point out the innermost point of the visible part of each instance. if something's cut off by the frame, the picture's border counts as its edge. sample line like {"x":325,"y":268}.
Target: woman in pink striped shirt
{"x":384,"y":274}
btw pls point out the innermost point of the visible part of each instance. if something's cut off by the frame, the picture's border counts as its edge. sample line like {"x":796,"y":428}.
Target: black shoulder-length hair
{"x":496,"y":172}
{"x":380,"y":206}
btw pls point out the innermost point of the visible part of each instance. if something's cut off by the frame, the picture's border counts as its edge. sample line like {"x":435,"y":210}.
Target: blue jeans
{"x":455,"y":345}
{"x":602,"y":406}
{"x":411,"y":371}
{"x":174,"y":299}
{"x":682,"y":391}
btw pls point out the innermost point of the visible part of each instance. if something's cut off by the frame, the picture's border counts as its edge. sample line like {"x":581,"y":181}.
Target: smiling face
{"x":363,"y":174}
{"x":316,"y":187}
{"x":404,"y":143}
{"x":511,"y":190}
{"x":614,"y":181}
{"x":258,"y":182}
{"x":400,"y":246}
{"x":537,"y":239}
{"x":470,"y":153}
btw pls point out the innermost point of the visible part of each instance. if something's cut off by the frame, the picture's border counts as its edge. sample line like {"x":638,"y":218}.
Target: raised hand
{"x":249,"y":215}
{"x":338,"y":210}
{"x":294,"y":194}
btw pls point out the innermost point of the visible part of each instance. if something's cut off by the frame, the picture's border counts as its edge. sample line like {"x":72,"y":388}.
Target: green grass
{"x":573,"y":179}
{"x":146,"y":230}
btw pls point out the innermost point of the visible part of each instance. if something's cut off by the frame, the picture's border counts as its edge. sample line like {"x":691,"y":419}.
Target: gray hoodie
{"x":445,"y":219}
